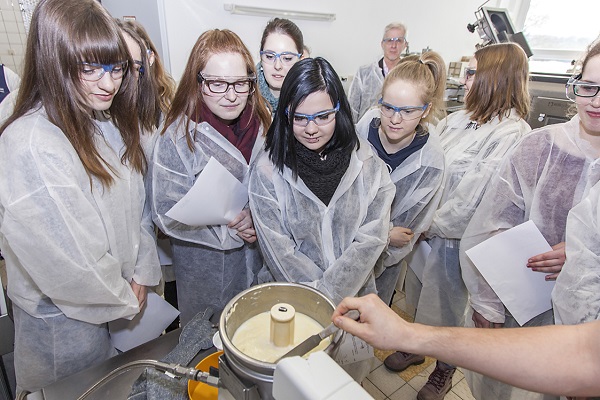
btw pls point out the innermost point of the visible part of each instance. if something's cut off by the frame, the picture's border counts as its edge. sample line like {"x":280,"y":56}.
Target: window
{"x":559,"y":30}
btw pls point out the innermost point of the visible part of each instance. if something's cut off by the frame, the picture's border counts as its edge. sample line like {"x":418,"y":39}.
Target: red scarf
{"x":242,"y":133}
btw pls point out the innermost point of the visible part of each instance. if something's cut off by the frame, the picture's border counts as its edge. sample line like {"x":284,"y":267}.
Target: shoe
{"x":400,"y":360}
{"x":438,"y":384}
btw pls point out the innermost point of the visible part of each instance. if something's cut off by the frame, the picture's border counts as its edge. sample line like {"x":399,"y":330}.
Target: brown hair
{"x":285,"y":27}
{"x":63,"y":34}
{"x":156,"y":87}
{"x":592,"y":51}
{"x":501,"y":83}
{"x":428,"y":72}
{"x":188,"y":96}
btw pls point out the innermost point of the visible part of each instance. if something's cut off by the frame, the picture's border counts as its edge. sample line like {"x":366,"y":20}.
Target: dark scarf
{"x":321,"y":176}
{"x":393,"y":161}
{"x":242,"y":133}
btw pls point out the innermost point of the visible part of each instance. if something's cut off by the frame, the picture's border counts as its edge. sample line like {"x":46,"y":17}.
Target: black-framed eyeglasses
{"x":221,"y":86}
{"x":93,"y":72}
{"x":577,"y":88}
{"x":407,"y":113}
{"x":390,"y":41}
{"x":321,"y":118}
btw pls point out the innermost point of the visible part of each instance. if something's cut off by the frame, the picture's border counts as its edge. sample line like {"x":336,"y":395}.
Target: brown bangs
{"x":96,"y":41}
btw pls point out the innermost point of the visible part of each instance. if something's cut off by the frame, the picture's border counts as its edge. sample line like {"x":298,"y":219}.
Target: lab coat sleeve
{"x":451,"y":219}
{"x":576,"y":295}
{"x":147,"y":270}
{"x":355,"y":95}
{"x":12,"y":79}
{"x":415,"y":210}
{"x":501,"y":208}
{"x":348,"y":274}
{"x":174,"y":171}
{"x":58,"y":237}
{"x":278,"y":249}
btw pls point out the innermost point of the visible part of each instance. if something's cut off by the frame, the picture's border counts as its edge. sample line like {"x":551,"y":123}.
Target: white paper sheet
{"x":216,"y":198}
{"x":417,"y":257}
{"x":147,"y":325}
{"x":502,"y":260}
{"x":353,"y":349}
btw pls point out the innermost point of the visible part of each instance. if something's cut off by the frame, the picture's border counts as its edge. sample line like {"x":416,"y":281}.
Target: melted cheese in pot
{"x":253,"y":336}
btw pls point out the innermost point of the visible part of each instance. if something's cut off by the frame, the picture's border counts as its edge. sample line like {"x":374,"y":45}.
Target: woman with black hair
{"x":319,"y":194}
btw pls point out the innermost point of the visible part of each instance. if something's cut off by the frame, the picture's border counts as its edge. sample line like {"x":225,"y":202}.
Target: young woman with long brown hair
{"x":76,"y":241}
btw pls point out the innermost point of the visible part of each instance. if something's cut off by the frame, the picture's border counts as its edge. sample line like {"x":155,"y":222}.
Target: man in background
{"x":365,"y":89}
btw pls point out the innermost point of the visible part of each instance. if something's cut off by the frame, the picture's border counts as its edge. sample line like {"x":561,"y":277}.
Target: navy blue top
{"x":394,"y":160}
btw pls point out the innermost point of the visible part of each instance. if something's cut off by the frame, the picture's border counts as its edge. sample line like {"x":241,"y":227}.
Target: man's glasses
{"x":93,"y":72}
{"x":287,"y":58}
{"x":390,"y":41}
{"x":469,"y":73}
{"x":406,"y":113}
{"x":219,"y":86}
{"x":321,"y":118}
{"x":576,"y":88}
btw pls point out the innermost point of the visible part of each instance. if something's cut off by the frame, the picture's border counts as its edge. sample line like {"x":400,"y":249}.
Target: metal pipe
{"x":169,"y":369}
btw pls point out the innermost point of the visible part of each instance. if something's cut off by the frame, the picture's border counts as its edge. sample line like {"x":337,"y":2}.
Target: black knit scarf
{"x":321,"y":175}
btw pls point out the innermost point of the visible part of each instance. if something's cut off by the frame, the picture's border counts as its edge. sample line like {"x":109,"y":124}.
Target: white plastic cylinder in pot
{"x":282,"y":324}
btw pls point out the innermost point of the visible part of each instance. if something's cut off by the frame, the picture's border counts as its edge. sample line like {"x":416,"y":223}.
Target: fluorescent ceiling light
{"x":270,"y":12}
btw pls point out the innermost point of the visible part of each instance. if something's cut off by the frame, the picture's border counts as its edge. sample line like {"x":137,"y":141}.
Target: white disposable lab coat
{"x":365,"y":89}
{"x":547,"y":173}
{"x":576,"y":295}
{"x":472,"y":155}
{"x":416,"y":181}
{"x":330,"y":247}
{"x":212,"y":264}
{"x":71,"y":245}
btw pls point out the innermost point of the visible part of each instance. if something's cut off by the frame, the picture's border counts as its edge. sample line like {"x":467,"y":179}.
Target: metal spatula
{"x":314,"y":340}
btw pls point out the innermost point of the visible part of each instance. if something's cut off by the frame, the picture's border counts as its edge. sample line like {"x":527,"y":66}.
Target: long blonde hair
{"x":428,"y":72}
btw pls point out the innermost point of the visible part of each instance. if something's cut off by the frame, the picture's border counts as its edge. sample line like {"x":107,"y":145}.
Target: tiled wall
{"x":12,"y":35}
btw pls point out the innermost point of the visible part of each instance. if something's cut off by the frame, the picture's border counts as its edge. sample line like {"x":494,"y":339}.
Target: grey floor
{"x":7,"y":359}
{"x":383,"y":384}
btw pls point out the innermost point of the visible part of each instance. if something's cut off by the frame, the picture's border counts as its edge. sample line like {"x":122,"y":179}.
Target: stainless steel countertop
{"x":119,"y":388}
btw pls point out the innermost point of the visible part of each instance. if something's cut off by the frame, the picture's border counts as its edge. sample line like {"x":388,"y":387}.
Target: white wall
{"x":353,"y":39}
{"x":148,"y":13}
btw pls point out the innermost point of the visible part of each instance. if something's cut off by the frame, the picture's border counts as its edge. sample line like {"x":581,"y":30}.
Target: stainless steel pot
{"x":254,"y":301}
